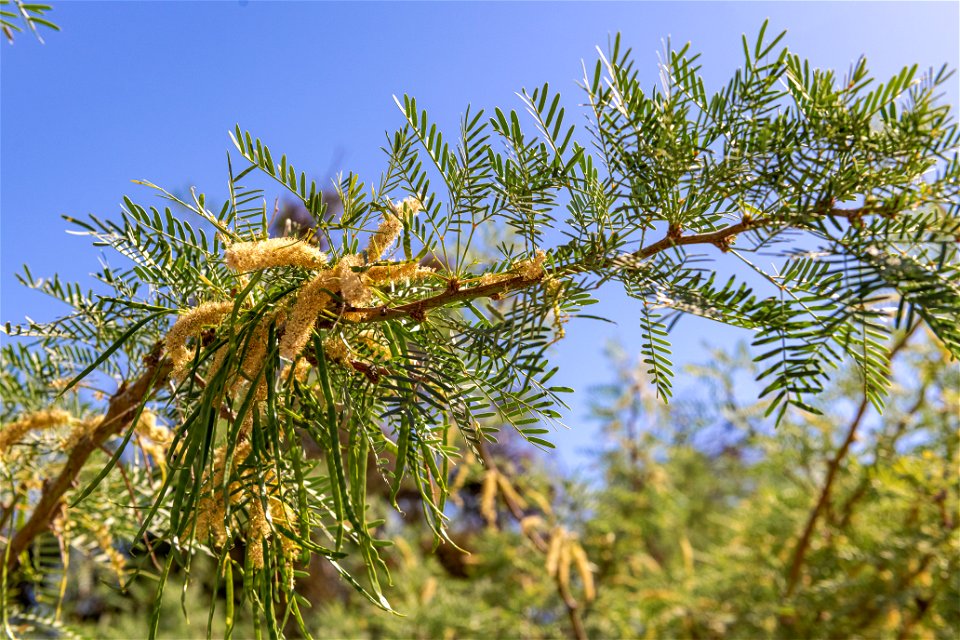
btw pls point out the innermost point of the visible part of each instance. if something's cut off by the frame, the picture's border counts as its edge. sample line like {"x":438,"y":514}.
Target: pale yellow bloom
{"x":212,"y":519}
{"x":375,"y":342}
{"x":275,"y":252}
{"x":493,"y":278}
{"x":312,"y":299}
{"x":188,"y":326}
{"x":409,"y":206}
{"x":258,"y":530}
{"x":354,"y":292}
{"x":155,"y":439}
{"x":386,"y":234}
{"x":10,"y":434}
{"x":105,"y":541}
{"x":212,"y":507}
{"x":585,"y":571}
{"x":256,"y":349}
{"x":388,"y":274}
{"x":79,"y":430}
{"x":300,"y":371}
{"x":336,"y":349}
{"x":533,"y":268}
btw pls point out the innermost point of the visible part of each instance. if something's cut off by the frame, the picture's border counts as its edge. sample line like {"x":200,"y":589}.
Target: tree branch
{"x":803,"y":544}
{"x":722,"y":238}
{"x":569,"y":602}
{"x":128,"y":397}
{"x":120,"y":412}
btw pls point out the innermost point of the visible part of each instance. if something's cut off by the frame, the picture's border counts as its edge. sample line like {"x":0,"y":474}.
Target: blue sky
{"x":133,"y":90}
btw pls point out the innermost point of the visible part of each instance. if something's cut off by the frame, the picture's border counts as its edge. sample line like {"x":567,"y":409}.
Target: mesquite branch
{"x":120,"y":411}
{"x":569,"y":602}
{"x":823,"y":499}
{"x":124,"y":403}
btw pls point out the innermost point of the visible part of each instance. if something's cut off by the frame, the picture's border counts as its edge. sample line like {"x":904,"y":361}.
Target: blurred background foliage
{"x":701,"y":520}
{"x":688,"y":526}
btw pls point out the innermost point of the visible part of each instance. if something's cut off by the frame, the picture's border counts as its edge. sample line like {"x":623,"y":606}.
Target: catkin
{"x":158,"y":438}
{"x":506,"y":488}
{"x":212,"y":509}
{"x":563,"y":565}
{"x":388,"y":274}
{"x":493,"y":278}
{"x":374,"y":342}
{"x":189,"y":325}
{"x":312,"y":299}
{"x":336,"y":350}
{"x":386,"y":234}
{"x":488,"y":497}
{"x":101,"y":531}
{"x":583,"y":568}
{"x":258,"y":531}
{"x":354,"y":292}
{"x":79,"y":430}
{"x":409,"y":206}
{"x":212,"y":520}
{"x":11,"y":433}
{"x":275,"y":252}
{"x":553,"y":551}
{"x":533,"y":268}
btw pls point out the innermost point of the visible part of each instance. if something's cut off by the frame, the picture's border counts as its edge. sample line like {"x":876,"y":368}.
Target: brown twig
{"x":722,"y":238}
{"x":569,"y":602}
{"x":124,"y":402}
{"x":120,"y":412}
{"x":803,"y":544}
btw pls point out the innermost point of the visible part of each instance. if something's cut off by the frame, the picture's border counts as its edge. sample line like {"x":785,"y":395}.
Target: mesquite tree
{"x":273,"y":383}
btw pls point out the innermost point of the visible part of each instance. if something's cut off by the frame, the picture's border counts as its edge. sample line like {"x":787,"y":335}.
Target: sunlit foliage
{"x":300,"y":376}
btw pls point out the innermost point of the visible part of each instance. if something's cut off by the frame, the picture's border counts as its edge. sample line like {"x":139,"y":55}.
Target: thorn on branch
{"x":725,"y":243}
{"x":674,"y":231}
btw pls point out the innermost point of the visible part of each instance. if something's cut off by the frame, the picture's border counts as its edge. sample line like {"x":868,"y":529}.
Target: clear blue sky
{"x":149,"y":90}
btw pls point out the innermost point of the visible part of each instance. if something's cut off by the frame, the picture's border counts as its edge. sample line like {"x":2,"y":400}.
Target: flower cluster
{"x":189,"y":326}
{"x":13,"y":432}
{"x":533,"y":268}
{"x":386,"y":234}
{"x":211,"y":522}
{"x":311,"y":301}
{"x":275,"y":252}
{"x":155,"y":438}
{"x":351,"y":281}
{"x":530,"y":269}
{"x":263,"y":512}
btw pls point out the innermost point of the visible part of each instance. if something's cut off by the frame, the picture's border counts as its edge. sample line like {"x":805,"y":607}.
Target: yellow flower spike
{"x":583,"y":568}
{"x":312,"y":299}
{"x":189,"y":325}
{"x":354,"y":292}
{"x":553,"y":551}
{"x":488,"y":497}
{"x":275,"y":252}
{"x":533,"y":268}
{"x":385,"y":235}
{"x":563,"y":565}
{"x":506,"y":488}
{"x":11,"y":433}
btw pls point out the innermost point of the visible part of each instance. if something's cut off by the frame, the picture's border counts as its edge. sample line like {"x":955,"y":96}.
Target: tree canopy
{"x":277,"y":385}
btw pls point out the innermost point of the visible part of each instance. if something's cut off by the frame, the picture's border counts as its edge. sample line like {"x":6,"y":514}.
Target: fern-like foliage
{"x":15,"y":15}
{"x":298,"y":381}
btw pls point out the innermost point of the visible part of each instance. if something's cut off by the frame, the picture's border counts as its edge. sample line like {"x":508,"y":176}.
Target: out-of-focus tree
{"x":698,"y":517}
{"x":280,"y":388}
